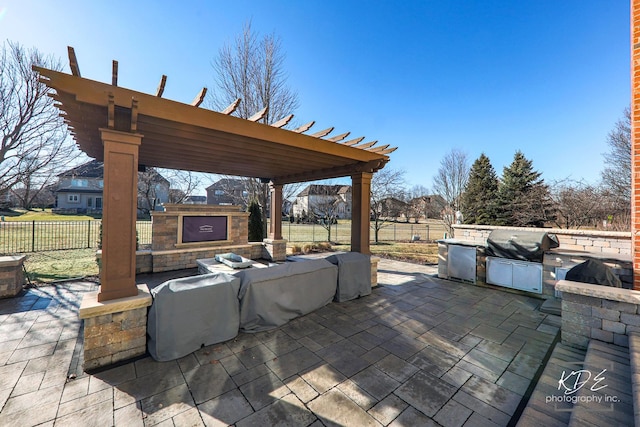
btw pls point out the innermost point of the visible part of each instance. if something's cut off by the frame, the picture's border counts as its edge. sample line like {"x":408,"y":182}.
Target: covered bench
{"x":270,"y":297}
{"x":191,"y":312}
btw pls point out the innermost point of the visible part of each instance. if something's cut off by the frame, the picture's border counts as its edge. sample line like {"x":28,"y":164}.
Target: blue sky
{"x":547,"y":77}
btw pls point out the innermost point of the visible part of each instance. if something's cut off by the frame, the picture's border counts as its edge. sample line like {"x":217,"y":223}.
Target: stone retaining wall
{"x":598,"y":312}
{"x":606,"y":242}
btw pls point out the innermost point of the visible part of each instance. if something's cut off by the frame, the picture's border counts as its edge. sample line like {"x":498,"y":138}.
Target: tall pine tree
{"x":523,"y":196}
{"x":480,"y":196}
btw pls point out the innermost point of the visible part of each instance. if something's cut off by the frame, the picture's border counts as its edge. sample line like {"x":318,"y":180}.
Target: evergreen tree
{"x":524,"y":199}
{"x":255,"y":222}
{"x":481,"y":193}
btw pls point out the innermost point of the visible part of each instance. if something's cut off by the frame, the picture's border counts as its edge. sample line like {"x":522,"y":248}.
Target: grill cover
{"x":522,"y":245}
{"x":594,"y":272}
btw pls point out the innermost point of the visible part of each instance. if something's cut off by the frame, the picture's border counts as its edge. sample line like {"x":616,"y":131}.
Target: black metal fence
{"x":37,"y":236}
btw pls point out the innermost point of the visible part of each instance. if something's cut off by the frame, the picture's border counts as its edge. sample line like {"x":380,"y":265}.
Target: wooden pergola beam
{"x":339,"y":137}
{"x":283,"y":121}
{"x":114,"y":73}
{"x":367,"y":145}
{"x":353,"y":141}
{"x":259,"y":115}
{"x":160,"y":89}
{"x":322,"y":133}
{"x":199,"y":98}
{"x":304,"y":127}
{"x":73,"y":62}
{"x":377,"y":149}
{"x":231,"y":108}
{"x":388,"y":150}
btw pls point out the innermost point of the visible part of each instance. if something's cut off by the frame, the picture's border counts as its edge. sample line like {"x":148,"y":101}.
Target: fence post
{"x":428,"y":236}
{"x":33,"y":236}
{"x":88,"y":232}
{"x":313,"y":232}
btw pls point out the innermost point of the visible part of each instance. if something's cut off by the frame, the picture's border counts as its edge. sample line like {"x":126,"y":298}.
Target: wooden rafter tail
{"x":199,"y":98}
{"x":134,"y":115}
{"x":283,"y":121}
{"x":73,"y":62}
{"x":259,"y":115}
{"x":339,"y":137}
{"x":353,"y":141}
{"x":231,"y":108}
{"x":305,"y":127}
{"x":114,"y":73}
{"x":160,"y":90}
{"x":388,"y":150}
{"x":322,"y":133}
{"x":367,"y":145}
{"x":378,"y":149}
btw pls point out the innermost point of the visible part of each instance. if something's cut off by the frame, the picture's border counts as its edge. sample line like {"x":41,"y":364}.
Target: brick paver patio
{"x":418,"y":351}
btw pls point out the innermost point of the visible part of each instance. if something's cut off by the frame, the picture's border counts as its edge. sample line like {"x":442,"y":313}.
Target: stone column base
{"x":276,"y":249}
{"x":11,"y":275}
{"x":114,"y":330}
{"x":374,"y":271}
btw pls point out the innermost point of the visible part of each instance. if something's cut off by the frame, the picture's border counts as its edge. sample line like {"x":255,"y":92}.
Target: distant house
{"x":227,"y":191}
{"x":79,"y":190}
{"x":319,"y":200}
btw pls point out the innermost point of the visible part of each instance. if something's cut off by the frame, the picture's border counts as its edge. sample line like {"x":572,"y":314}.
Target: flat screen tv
{"x":204,"y":228}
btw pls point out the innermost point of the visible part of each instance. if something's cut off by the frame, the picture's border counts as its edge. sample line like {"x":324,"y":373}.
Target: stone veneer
{"x":11,"y":275}
{"x":114,"y":330}
{"x":606,"y":242}
{"x":598,"y":312}
{"x":613,"y":248}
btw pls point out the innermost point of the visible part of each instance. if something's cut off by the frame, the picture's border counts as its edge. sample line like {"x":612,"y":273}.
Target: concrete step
{"x":634,"y":365}
{"x":546,"y":406}
{"x":606,"y":396}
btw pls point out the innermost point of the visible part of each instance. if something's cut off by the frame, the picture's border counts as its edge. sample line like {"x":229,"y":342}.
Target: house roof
{"x":95,"y":169}
{"x":227,"y":183}
{"x":328,"y":190}
{"x":91,"y":169}
{"x":183,"y":136}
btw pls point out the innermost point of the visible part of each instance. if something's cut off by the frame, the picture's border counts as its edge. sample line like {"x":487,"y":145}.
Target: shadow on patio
{"x":417,"y":351}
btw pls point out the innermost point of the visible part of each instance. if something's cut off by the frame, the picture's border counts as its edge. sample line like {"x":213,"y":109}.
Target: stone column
{"x":275,"y":229}
{"x":120,"y":194}
{"x":361,"y":212}
{"x":635,"y":140}
{"x":275,"y":246}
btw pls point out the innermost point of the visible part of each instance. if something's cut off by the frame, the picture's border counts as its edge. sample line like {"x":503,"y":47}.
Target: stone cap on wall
{"x":178,"y":207}
{"x":599,"y":291}
{"x":12,"y":260}
{"x":564,"y":231}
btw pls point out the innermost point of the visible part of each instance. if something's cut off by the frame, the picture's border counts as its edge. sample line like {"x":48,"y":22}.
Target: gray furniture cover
{"x":270,"y":297}
{"x":189,"y":312}
{"x":354,"y":275}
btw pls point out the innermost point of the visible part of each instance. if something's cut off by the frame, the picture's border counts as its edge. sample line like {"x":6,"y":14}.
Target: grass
{"x":416,"y":252}
{"x":47,"y":267}
{"x":39,"y":215}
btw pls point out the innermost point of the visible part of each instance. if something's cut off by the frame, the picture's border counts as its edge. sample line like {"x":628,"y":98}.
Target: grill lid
{"x":522,"y":245}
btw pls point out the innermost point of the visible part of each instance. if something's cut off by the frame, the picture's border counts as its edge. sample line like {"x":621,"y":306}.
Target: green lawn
{"x":39,"y":215}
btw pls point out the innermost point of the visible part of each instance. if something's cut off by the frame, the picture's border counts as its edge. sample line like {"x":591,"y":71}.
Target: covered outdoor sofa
{"x":189,"y":313}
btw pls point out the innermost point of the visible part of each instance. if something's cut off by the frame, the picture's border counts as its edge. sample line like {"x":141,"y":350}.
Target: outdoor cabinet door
{"x":461,"y":263}
{"x":527,"y":277}
{"x":499,"y":272}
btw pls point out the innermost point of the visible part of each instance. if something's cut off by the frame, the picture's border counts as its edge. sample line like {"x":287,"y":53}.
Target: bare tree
{"x":449,"y":183}
{"x":182,"y":184}
{"x":616,"y":175}
{"x":386,"y":183}
{"x":252,"y":69}
{"x":34,"y":144}
{"x":577,"y":204}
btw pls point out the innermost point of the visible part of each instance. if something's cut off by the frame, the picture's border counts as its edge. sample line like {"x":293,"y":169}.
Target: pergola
{"x":128,"y":130}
